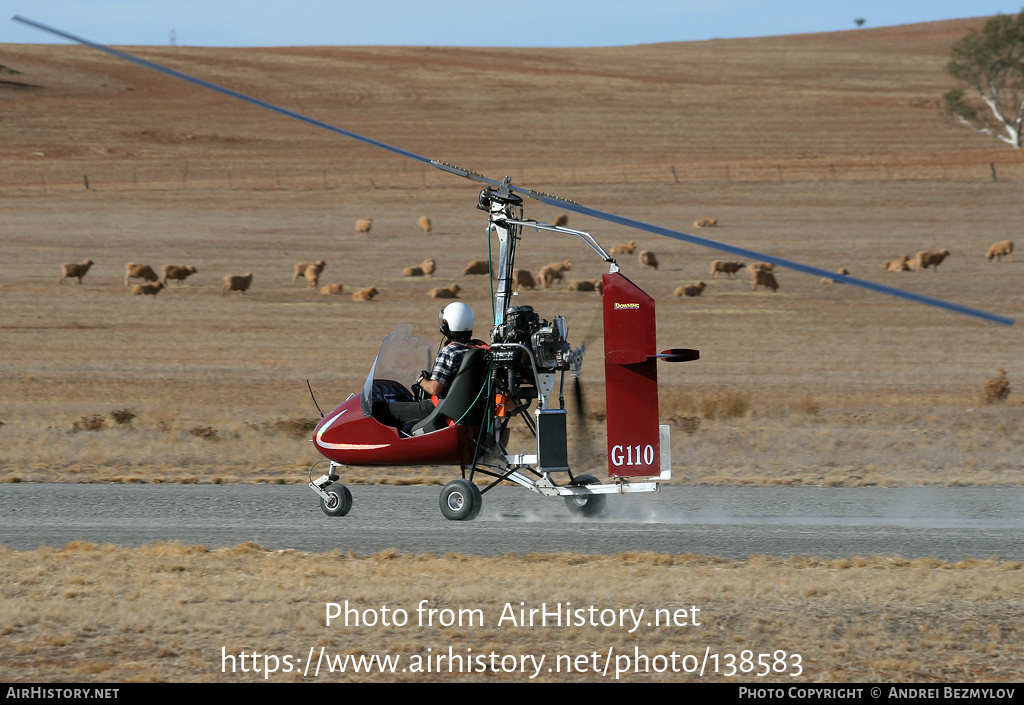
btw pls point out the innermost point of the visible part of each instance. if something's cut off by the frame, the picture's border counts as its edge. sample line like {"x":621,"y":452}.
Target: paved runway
{"x":730,"y":522}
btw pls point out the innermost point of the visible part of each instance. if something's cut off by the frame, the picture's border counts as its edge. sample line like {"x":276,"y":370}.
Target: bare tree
{"x":991,"y":62}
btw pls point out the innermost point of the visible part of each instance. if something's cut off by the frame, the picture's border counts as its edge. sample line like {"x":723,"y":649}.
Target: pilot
{"x":455,"y":322}
{"x":456,"y":325}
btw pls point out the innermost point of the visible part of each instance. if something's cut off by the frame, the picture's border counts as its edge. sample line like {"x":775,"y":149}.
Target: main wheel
{"x":339,"y":501}
{"x":587,"y":505}
{"x":461,"y":500}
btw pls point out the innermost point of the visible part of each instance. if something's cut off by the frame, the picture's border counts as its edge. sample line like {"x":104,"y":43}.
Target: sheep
{"x":561,"y":221}
{"x":931,"y":259}
{"x":999,"y":249}
{"x":593,"y":285}
{"x":478,"y":266}
{"x":147,"y":289}
{"x":828,"y":280}
{"x":301,"y":267}
{"x":626,"y":249}
{"x":523,"y":278}
{"x":135,"y":270}
{"x":312,"y":275}
{"x":997,"y":388}
{"x":648,"y":259}
{"x":729,"y":268}
{"x":705,"y":223}
{"x":233,"y":282}
{"x":366,"y":294}
{"x":760,"y":266}
{"x":364,"y":225}
{"x":550,"y":273}
{"x":424,"y":223}
{"x":764,"y":278}
{"x":75,"y":270}
{"x":445,"y":292}
{"x":424,"y":269}
{"x":328,"y":289}
{"x":898,"y":265}
{"x":177,"y":272}
{"x":691,"y":290}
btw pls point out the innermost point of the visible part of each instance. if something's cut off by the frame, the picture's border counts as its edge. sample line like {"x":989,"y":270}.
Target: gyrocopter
{"x":520,"y":372}
{"x":525,"y":361}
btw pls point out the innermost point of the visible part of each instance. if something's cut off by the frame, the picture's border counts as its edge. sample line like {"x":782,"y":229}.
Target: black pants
{"x":400,"y":413}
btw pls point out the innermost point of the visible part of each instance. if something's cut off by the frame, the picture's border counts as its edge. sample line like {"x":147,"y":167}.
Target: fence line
{"x":186,"y":177}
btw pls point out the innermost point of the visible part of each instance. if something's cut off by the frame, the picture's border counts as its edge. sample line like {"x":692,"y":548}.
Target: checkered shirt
{"x":447,"y":363}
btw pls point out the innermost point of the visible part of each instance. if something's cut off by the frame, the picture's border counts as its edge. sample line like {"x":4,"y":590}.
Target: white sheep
{"x":445,"y":292}
{"x":234,"y":282}
{"x":136,"y":270}
{"x":478,"y":266}
{"x":424,"y":223}
{"x":426,"y":268}
{"x":312,"y":275}
{"x":75,"y":270}
{"x":931,"y":259}
{"x":147,"y":289}
{"x":729,"y":268}
{"x":364,"y":225}
{"x":627,"y":249}
{"x":695,"y":289}
{"x":705,"y":223}
{"x":593,"y":285}
{"x":328,"y":289}
{"x":366,"y":294}
{"x":648,"y":259}
{"x":999,"y":250}
{"x":550,"y":273}
{"x":897,"y":265}
{"x":764,"y":278}
{"x":177,"y":272}
{"x":523,"y":278}
{"x":301,"y":267}
{"x":997,"y":388}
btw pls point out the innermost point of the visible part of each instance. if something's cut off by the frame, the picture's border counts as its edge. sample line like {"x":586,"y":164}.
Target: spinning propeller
{"x":548,"y":199}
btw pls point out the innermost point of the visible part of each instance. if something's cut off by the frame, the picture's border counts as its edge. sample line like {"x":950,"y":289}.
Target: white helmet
{"x":456,"y":320}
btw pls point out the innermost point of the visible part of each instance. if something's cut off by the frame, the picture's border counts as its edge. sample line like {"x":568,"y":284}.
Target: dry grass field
{"x":171,"y":612}
{"x":826,"y":149}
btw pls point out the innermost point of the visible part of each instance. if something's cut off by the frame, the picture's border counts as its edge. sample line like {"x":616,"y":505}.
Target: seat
{"x":466,"y":399}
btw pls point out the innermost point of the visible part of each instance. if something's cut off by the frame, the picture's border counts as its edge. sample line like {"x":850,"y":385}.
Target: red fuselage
{"x":348,"y":437}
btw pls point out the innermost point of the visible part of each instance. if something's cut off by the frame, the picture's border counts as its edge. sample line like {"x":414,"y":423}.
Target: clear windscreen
{"x":401,"y":357}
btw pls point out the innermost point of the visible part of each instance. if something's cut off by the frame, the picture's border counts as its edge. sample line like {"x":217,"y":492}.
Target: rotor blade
{"x":537,"y":195}
{"x":778,"y":261}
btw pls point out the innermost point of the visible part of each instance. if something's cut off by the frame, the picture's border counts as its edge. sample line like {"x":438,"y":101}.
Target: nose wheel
{"x":338,"y":501}
{"x":460,"y":500}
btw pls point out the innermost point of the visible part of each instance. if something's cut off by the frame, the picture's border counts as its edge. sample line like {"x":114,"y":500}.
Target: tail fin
{"x":631,"y":379}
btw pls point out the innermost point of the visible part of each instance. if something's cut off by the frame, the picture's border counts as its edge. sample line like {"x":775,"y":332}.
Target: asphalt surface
{"x":730,"y":522}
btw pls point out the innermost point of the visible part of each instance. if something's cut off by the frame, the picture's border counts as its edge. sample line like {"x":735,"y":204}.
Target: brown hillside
{"x":697,"y":106}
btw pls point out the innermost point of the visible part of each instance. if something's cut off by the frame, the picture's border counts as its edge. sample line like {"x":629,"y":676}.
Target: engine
{"x":546,"y":340}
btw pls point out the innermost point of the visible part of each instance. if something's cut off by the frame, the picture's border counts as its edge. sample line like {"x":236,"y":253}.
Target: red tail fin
{"x":631,"y":379}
